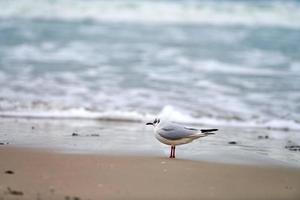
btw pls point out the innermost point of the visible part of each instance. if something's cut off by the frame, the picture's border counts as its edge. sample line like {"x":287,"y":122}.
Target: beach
{"x":77,"y":159}
{"x":80,"y":79}
{"x":35,"y":174}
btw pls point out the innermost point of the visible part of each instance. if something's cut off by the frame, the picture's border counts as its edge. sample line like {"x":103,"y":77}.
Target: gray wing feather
{"x":176,"y":132}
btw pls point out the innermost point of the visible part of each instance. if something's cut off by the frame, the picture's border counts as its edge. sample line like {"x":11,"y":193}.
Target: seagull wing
{"x":176,"y":132}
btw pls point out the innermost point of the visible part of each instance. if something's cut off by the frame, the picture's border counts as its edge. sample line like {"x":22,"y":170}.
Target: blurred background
{"x":229,"y":62}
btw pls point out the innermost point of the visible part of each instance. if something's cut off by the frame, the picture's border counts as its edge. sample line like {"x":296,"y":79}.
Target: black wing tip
{"x":209,"y":130}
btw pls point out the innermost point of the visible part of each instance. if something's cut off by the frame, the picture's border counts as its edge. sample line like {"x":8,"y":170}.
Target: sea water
{"x":195,"y":61}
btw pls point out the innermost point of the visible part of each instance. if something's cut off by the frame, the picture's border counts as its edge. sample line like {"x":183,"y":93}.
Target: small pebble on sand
{"x":232,"y":142}
{"x":9,"y":172}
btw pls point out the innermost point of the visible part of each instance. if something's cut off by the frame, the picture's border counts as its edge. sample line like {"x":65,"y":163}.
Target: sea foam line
{"x":167,"y":113}
{"x":79,"y":113}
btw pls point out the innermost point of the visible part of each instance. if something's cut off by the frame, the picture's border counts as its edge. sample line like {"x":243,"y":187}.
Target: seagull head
{"x":154,"y":123}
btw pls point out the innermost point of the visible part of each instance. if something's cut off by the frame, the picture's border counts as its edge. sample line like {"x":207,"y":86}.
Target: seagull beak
{"x":149,"y":123}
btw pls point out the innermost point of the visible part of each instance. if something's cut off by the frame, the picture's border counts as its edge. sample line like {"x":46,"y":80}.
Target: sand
{"x":36,"y":174}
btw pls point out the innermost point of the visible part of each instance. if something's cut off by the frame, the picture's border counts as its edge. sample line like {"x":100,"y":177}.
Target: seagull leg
{"x":171,"y":152}
{"x":174,"y":151}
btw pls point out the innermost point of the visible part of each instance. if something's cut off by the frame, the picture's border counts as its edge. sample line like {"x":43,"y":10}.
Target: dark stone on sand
{"x":14,"y":192}
{"x":71,"y":198}
{"x":232,"y":142}
{"x":286,"y":129}
{"x":9,"y":172}
{"x":263,"y":137}
{"x":293,"y":147}
{"x":75,"y":134}
{"x":95,"y":135}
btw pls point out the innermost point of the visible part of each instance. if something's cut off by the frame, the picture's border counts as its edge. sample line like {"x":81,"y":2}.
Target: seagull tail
{"x":208,"y":131}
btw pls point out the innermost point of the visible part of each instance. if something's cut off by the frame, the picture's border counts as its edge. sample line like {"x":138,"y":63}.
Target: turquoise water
{"x":208,"y":62}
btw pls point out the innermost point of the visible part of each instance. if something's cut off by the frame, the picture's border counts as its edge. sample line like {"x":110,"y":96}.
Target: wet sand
{"x":230,"y":145}
{"x":37,"y":174}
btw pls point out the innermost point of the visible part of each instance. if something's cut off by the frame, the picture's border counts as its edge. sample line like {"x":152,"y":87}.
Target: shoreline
{"x":249,"y":146}
{"x":39,"y":174}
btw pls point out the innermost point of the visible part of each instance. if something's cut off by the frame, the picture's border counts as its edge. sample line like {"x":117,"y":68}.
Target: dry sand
{"x":33,"y":174}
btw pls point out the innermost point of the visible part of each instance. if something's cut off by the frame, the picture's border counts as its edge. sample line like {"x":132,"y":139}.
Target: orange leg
{"x":171,"y":152}
{"x":174,"y":151}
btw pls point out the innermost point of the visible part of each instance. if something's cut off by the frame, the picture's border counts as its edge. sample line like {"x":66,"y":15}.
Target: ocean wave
{"x":246,"y":13}
{"x":48,"y":52}
{"x":168,"y":113}
{"x":79,"y":113}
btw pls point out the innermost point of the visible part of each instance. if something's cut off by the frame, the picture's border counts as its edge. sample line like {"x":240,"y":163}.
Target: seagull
{"x":173,"y":134}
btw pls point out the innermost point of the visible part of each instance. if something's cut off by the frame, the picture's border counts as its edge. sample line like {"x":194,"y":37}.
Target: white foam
{"x":171,"y":114}
{"x":167,"y":113}
{"x":267,"y":13}
{"x":79,"y":113}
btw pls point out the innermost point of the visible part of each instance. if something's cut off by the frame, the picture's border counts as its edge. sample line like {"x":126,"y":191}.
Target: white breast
{"x":173,"y":142}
